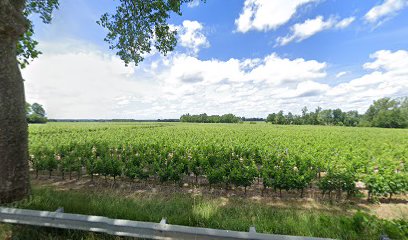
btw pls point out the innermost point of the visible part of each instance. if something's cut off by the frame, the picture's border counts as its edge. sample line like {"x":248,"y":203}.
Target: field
{"x":299,"y":180}
{"x":291,"y":158}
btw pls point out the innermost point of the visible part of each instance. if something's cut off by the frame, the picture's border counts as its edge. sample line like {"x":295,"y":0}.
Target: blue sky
{"x":248,"y":57}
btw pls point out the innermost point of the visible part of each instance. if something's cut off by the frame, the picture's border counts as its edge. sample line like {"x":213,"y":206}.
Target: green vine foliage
{"x":339,"y":179}
{"x":284,"y":159}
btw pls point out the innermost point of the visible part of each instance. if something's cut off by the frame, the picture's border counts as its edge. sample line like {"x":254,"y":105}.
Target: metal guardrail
{"x":119,"y":227}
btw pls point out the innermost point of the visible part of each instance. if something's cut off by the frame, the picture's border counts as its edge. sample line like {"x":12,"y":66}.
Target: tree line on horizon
{"x":204,"y":118}
{"x":385,"y":113}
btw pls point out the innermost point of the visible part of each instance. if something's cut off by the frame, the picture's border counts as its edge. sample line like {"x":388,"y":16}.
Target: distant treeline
{"x":245,"y":119}
{"x":204,"y":118}
{"x":168,"y":120}
{"x":385,"y":112}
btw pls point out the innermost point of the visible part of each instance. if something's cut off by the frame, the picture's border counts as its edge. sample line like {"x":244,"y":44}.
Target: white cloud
{"x":341,"y":74}
{"x":275,"y":70}
{"x":192,"y":37}
{"x":388,"y":78}
{"x":310,"y":27}
{"x":263,"y":15}
{"x":193,"y":3}
{"x":389,"y":61}
{"x":306,"y":89}
{"x":384,"y":10}
{"x":345,"y":22}
{"x":74,"y":82}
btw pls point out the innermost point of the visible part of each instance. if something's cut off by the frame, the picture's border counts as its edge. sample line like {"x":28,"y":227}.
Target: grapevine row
{"x":279,"y":169}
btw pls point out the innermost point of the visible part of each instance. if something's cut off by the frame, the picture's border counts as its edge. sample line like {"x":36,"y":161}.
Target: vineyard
{"x":338,"y":161}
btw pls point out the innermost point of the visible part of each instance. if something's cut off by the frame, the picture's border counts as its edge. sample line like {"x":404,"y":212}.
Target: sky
{"x":246,"y":57}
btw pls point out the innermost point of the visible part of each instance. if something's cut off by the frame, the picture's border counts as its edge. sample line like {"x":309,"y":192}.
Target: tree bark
{"x":14,"y":178}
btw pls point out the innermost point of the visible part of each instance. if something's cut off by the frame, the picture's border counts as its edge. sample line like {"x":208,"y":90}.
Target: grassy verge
{"x":222,"y":213}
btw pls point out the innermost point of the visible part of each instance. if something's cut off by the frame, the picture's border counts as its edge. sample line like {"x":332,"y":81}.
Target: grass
{"x":211,"y":212}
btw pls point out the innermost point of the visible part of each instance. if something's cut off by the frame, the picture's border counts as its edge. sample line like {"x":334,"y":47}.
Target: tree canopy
{"x":388,"y":113}
{"x":27,"y":46}
{"x":134,"y":30}
{"x":385,"y":112}
{"x":35,"y":113}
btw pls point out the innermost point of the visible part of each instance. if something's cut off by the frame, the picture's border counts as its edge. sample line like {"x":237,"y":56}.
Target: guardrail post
{"x":163,"y":221}
{"x":384,"y":237}
{"x":60,"y":210}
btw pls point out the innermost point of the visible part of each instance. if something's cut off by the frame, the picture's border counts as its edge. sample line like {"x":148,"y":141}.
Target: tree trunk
{"x":14,"y":177}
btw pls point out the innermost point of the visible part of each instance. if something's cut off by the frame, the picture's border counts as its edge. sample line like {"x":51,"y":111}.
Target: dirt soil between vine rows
{"x":397,"y":208}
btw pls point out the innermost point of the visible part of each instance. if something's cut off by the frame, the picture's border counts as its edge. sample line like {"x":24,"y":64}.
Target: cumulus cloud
{"x":387,"y":77}
{"x":310,"y":27}
{"x":78,"y":82}
{"x":389,"y":61}
{"x":263,"y":15}
{"x":276,"y":70}
{"x":306,"y":89}
{"x":386,"y":9}
{"x":74,"y":81}
{"x":272,"y":70}
{"x":192,"y":37}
